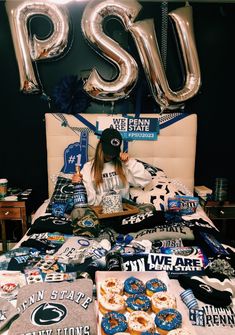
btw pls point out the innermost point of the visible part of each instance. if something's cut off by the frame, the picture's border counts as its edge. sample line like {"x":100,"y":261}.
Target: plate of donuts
{"x":140,"y":303}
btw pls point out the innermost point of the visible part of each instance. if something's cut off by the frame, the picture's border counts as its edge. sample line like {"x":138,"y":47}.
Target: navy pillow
{"x":62,"y":193}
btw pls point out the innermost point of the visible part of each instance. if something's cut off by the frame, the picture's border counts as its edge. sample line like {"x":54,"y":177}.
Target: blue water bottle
{"x":79,"y":192}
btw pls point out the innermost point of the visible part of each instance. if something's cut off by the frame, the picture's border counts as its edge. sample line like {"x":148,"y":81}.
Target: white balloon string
{"x":112,"y":107}
{"x":43,"y":93}
{"x":162,"y":110}
{"x":164,"y":33}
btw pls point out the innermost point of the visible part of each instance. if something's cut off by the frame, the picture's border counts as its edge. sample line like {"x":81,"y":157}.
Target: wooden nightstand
{"x":12,"y":210}
{"x":220,"y":212}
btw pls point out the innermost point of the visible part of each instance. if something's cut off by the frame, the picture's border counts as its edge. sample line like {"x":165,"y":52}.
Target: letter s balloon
{"x":26,"y":49}
{"x":92,"y":19}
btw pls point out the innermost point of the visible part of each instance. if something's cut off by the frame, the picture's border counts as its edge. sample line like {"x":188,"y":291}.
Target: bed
{"x":174,"y":151}
{"x":173,"y":156}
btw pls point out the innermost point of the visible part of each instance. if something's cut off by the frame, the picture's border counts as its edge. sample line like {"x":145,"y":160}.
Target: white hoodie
{"x":135,"y":173}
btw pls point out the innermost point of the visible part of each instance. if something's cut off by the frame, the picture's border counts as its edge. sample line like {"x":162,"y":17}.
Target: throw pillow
{"x":153,"y":170}
{"x":157,"y":193}
{"x":62,"y":193}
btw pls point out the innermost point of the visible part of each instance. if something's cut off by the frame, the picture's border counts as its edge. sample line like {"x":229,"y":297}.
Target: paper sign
{"x":175,"y":265}
{"x":131,"y":128}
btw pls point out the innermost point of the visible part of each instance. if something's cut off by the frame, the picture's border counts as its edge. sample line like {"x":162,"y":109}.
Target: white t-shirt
{"x":135,"y":173}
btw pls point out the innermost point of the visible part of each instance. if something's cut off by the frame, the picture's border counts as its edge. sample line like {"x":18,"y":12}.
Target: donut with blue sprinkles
{"x":167,"y":320}
{"x":113,"y":322}
{"x":154,"y":285}
{"x":133,"y":286}
{"x":138,"y":303}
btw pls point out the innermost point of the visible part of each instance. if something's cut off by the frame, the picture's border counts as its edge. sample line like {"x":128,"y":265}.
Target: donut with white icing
{"x":162,"y":300}
{"x":139,"y":322}
{"x":112,"y":302}
{"x":111,"y":285}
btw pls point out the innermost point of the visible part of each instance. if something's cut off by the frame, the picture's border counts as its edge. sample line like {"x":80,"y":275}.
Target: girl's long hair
{"x":98,"y":165}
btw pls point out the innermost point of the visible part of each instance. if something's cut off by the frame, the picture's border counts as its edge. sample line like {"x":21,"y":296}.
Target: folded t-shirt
{"x":56,"y":309}
{"x":7,"y":313}
{"x":147,"y":217}
{"x":52,"y":224}
{"x":165,"y":232}
{"x":136,"y":222}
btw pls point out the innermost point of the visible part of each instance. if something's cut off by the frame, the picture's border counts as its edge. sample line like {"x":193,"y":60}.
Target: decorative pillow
{"x":62,"y":193}
{"x":153,"y":170}
{"x":156,"y":193}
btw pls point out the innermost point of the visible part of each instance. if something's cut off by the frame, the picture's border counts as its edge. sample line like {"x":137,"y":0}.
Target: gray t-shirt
{"x":55,"y":309}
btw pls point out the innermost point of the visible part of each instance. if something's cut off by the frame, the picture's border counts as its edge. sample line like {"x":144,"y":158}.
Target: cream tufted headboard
{"x":174,"y":151}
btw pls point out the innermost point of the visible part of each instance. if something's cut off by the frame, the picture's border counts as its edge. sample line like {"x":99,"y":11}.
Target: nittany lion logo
{"x":59,"y":222}
{"x":205,"y":287}
{"x":48,"y":314}
{"x":67,"y":189}
{"x":115,"y":142}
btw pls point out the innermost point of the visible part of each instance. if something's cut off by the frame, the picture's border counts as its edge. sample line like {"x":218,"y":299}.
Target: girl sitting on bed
{"x":111,"y":169}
